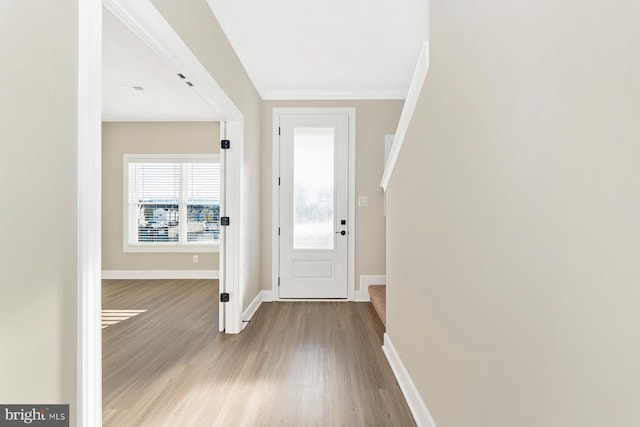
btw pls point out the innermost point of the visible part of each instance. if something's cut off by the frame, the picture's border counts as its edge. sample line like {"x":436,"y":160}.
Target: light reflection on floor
{"x":111,"y":317}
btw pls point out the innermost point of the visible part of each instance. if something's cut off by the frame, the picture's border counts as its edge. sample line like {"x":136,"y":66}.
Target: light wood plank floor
{"x":296,"y":364}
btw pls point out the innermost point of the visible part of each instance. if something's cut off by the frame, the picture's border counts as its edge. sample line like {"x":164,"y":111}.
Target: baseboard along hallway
{"x":295,"y":364}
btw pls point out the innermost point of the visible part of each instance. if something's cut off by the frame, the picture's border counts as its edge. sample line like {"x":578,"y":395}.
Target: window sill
{"x":215,"y":248}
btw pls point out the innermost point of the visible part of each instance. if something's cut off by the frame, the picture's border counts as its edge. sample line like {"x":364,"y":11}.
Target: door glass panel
{"x":313,"y":188}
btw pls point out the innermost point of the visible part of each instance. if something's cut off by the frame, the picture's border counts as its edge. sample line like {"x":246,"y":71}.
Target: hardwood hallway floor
{"x":296,"y":364}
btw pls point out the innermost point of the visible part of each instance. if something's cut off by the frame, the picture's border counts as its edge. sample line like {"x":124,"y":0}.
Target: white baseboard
{"x":419,"y":410}
{"x":362,"y":295}
{"x":159,"y":274}
{"x":252,"y":308}
{"x":268,"y":296}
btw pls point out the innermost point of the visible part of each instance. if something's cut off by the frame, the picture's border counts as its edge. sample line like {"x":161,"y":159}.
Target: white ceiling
{"x":326,"y":49}
{"x":292,"y":49}
{"x":127,"y":63}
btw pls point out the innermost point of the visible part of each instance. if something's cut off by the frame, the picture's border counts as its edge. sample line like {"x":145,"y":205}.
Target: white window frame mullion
{"x":131,"y":190}
{"x":183,"y":221}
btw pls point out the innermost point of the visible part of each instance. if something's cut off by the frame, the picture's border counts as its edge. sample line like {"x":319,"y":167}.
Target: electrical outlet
{"x":362,"y":201}
{"x":195,"y":259}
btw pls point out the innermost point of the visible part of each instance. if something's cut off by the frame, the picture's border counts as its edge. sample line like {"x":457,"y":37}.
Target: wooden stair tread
{"x":378,"y":294}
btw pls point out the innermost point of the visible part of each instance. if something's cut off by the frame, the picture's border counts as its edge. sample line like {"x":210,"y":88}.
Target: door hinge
{"x":278,"y":231}
{"x":224,"y":297}
{"x":278,"y":281}
{"x":225,"y":144}
{"x":224,"y":221}
{"x":278,"y":180}
{"x":278,"y":130}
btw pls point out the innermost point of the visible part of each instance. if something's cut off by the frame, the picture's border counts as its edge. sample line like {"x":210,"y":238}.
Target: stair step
{"x":378,"y":294}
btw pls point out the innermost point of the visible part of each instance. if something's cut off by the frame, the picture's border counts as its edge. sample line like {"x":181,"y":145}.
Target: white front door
{"x":314,"y":229}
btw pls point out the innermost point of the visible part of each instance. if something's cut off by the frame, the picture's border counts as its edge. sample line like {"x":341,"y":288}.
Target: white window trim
{"x":127,"y":247}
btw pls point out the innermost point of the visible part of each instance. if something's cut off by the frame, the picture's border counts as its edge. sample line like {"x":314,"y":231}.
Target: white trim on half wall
{"x":419,"y":75}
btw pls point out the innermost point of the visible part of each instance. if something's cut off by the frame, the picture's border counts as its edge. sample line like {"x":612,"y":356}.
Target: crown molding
{"x":273,"y":95}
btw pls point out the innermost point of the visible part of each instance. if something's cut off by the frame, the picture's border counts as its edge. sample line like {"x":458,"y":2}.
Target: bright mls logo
{"x":34,"y":415}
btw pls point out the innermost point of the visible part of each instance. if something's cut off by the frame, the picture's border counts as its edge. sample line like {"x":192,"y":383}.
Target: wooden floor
{"x":296,"y":364}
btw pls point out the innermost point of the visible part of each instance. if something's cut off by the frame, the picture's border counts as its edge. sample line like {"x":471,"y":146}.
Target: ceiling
{"x":326,"y":49}
{"x":291,"y":49}
{"x":128,"y":65}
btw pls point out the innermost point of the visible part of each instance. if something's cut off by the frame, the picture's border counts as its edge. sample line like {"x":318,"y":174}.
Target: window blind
{"x":203,"y":200}
{"x":173,"y":202}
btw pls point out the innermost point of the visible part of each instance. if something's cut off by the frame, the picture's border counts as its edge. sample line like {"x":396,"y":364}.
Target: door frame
{"x":146,"y":22}
{"x":275,"y":197}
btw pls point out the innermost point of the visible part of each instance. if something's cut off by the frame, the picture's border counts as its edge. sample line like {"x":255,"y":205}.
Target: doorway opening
{"x":145,"y":21}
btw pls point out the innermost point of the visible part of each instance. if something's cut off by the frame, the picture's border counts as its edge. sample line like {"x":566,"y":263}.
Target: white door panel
{"x":314,"y":158}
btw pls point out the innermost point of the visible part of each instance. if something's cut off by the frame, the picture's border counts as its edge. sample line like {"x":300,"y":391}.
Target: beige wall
{"x":513,"y":227}
{"x":196,"y":25}
{"x":38,"y":146}
{"x":374,"y":120}
{"x":119,"y":139}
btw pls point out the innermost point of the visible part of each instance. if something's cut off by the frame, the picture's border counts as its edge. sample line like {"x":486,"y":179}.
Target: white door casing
{"x":313,"y":247}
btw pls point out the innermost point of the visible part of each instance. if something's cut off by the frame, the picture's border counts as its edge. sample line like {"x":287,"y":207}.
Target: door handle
{"x":341,"y":232}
